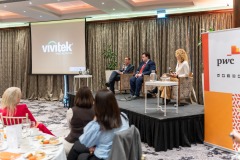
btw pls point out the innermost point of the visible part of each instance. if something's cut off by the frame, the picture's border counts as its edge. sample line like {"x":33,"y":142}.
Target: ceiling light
{"x":40,"y":16}
{"x":30,"y":2}
{"x":24,"y":11}
{"x":58,"y":0}
{"x":102,"y":3}
{"x":113,"y":9}
{"x":5,"y":6}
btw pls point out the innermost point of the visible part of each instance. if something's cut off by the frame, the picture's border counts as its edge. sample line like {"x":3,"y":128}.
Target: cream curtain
{"x":15,"y":65}
{"x":161,"y":37}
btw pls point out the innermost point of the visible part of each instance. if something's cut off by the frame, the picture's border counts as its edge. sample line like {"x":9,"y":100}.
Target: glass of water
{"x":26,"y":127}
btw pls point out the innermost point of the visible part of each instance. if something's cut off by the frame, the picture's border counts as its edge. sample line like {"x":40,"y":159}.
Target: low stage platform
{"x":159,"y":131}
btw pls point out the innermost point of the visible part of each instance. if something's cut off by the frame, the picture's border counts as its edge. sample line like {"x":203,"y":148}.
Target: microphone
{"x":170,"y":69}
{"x":123,"y":66}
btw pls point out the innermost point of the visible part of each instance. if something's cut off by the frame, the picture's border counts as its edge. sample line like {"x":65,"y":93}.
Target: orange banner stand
{"x":221,"y":61}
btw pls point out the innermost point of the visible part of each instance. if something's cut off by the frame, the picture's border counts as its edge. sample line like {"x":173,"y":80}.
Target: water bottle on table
{"x":153,"y":76}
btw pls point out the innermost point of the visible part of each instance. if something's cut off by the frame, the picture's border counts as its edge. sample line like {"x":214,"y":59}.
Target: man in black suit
{"x":145,"y":68}
{"x":115,"y":76}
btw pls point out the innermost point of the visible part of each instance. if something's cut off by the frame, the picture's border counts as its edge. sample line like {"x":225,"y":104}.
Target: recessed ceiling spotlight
{"x":5,"y":6}
{"x":102,"y":3}
{"x":30,"y":2}
{"x":24,"y":11}
{"x":113,"y":9}
{"x":58,"y":0}
{"x":40,"y":16}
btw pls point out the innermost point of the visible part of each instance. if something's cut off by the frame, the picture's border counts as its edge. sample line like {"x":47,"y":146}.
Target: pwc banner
{"x":221,"y":58}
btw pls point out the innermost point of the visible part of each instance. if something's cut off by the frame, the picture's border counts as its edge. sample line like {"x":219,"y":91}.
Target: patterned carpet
{"x":53,"y":115}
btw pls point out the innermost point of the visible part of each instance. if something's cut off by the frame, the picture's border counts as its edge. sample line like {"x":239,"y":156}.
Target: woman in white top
{"x":182,"y":70}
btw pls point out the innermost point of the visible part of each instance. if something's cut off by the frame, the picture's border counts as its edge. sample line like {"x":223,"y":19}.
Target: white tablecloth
{"x":31,"y":145}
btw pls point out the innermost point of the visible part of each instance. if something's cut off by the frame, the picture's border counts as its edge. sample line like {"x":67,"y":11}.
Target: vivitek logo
{"x":57,"y":47}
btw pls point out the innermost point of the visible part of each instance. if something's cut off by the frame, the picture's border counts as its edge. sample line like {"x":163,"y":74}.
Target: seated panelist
{"x":115,"y":76}
{"x":145,"y":68}
{"x":182,"y":70}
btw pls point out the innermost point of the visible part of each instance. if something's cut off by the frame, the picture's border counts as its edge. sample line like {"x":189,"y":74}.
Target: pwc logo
{"x":234,"y":51}
{"x":57,"y":48}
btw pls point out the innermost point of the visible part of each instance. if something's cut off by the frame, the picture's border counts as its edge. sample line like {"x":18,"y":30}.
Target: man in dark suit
{"x":145,"y":68}
{"x":115,"y":76}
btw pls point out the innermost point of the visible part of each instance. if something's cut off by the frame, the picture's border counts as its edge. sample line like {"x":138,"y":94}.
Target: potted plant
{"x":110,"y":58}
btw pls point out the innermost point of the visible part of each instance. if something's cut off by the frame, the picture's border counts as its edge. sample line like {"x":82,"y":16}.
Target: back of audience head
{"x":10,"y":98}
{"x":182,"y":54}
{"x":84,"y":98}
{"x":106,"y":110}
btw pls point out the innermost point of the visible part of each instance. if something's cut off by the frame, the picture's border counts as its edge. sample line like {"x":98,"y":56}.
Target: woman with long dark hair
{"x":96,"y":141}
{"x":78,"y":116}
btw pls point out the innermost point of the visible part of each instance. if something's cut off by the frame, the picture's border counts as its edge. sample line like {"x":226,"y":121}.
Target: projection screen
{"x":58,"y":47}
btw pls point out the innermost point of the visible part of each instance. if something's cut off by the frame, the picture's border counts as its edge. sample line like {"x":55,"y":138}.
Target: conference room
{"x":162,"y":76}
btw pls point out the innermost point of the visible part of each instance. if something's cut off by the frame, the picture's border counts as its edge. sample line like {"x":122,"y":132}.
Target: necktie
{"x":141,"y":70}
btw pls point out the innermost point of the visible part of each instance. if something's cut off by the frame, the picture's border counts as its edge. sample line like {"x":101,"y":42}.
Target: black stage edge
{"x":163,"y":133}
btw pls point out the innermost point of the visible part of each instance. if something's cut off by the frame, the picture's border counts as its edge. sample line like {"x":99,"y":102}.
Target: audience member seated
{"x":96,"y":141}
{"x":235,"y":136}
{"x":78,"y":116}
{"x":115,"y":76}
{"x":182,"y":70}
{"x":10,"y":106}
{"x":145,"y":68}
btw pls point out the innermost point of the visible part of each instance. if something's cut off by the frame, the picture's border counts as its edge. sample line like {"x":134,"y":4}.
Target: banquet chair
{"x":126,"y":145}
{"x":8,"y":121}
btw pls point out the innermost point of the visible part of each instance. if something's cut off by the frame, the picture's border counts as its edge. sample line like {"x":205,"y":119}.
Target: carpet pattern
{"x":53,"y":115}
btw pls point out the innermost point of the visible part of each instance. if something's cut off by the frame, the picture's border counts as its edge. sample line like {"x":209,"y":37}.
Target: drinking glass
{"x":33,"y":124}
{"x":26,"y":127}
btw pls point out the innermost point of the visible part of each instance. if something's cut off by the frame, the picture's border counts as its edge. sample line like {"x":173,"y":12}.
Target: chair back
{"x":8,"y":121}
{"x":190,"y":74}
{"x":185,"y":87}
{"x":125,"y":81}
{"x":126,"y":145}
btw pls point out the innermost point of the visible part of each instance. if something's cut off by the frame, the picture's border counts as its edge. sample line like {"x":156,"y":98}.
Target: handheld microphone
{"x":123,"y":66}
